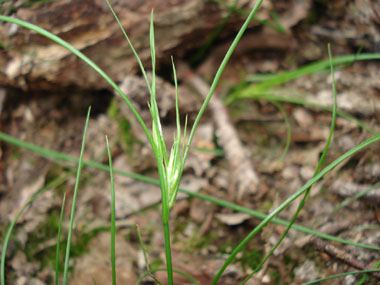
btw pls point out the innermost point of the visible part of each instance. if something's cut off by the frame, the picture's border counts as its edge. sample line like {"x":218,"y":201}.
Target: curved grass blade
{"x":57,"y":156}
{"x":219,"y":74}
{"x":148,"y":269}
{"x":353,"y":198}
{"x":59,"y":240}
{"x":307,"y":191}
{"x":79,"y":171}
{"x":130,"y":45}
{"x":84,"y":58}
{"x":290,"y":200}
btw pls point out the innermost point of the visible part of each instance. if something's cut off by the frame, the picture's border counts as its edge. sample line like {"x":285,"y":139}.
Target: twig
{"x":341,"y":255}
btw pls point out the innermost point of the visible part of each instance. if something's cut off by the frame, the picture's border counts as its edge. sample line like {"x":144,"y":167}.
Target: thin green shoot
{"x":52,"y":184}
{"x":211,"y":39}
{"x":276,"y":26}
{"x":130,"y":45}
{"x":59,"y":240}
{"x":79,"y":171}
{"x":319,"y":166}
{"x":353,"y":198}
{"x":58,"y":156}
{"x":113,"y":219}
{"x":342,"y":275}
{"x":288,"y":130}
{"x":219,"y":74}
{"x":148,"y":269}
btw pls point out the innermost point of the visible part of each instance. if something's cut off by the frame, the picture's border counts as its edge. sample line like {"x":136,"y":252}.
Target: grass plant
{"x":170,"y":165}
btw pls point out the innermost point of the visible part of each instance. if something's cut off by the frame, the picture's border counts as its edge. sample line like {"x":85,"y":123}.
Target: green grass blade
{"x":64,"y":157}
{"x":113,"y":223}
{"x":201,"y":52}
{"x":59,"y":240}
{"x":219,"y":74}
{"x":288,"y":130}
{"x":290,"y":200}
{"x":178,"y":122}
{"x":341,"y":275}
{"x":307,"y":191}
{"x":187,"y":276}
{"x":130,"y":45}
{"x":334,"y":112}
{"x":84,"y":58}
{"x":148,"y":269}
{"x":353,"y":198}
{"x":79,"y":171}
{"x":280,"y":78}
{"x":268,"y":96}
{"x":52,"y":184}
{"x":153,"y":55}
{"x":276,"y":26}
